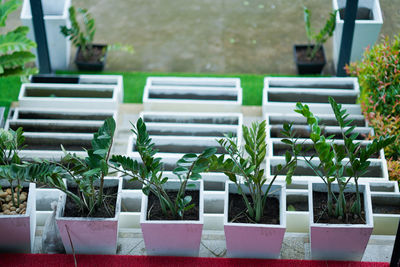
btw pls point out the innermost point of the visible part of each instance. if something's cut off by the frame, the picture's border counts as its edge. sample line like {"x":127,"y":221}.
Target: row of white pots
{"x":99,"y":236}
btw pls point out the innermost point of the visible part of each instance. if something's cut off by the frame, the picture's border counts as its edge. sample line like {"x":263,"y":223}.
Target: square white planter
{"x":245,"y":240}
{"x":69,"y":96}
{"x":172,"y":238}
{"x":366,"y":32}
{"x":192,"y":94}
{"x":177,"y":133}
{"x":281,"y":94}
{"x":92,"y":79}
{"x":55,"y":15}
{"x":340,"y":241}
{"x":20,"y":229}
{"x":90,"y":235}
{"x":385,"y":223}
{"x":377,"y":171}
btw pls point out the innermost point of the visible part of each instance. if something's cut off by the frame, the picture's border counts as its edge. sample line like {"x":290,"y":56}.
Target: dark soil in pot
{"x":363,"y":13}
{"x":72,"y":210}
{"x":385,"y":208}
{"x":61,"y":116}
{"x":301,"y":55}
{"x":192,"y":96}
{"x":297,"y":205}
{"x":155,"y":213}
{"x":306,"y":65}
{"x":321,"y":211}
{"x":96,"y":56}
{"x":237,"y":210}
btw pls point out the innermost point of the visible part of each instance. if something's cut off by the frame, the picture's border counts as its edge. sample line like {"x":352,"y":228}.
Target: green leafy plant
{"x":149,"y":172}
{"x":246,"y":171}
{"x":82,"y":34}
{"x":318,"y":39}
{"x":378,"y":73}
{"x":87,"y":173}
{"x":11,"y":168}
{"x":14,"y":45}
{"x":332,"y":167}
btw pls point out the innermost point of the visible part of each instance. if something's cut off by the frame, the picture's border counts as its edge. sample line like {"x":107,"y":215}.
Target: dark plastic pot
{"x":98,"y":65}
{"x":51,"y":78}
{"x":307,"y":66}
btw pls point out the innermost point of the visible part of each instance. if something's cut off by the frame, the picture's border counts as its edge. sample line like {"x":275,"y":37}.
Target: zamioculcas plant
{"x":332,"y":168}
{"x":11,"y":168}
{"x":82,"y":36}
{"x":87,"y":173}
{"x":14,"y":45}
{"x":318,"y":39}
{"x":149,"y":172}
{"x":247,"y":171}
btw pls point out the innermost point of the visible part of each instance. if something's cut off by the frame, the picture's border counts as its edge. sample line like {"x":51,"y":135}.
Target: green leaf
{"x":180,"y":171}
{"x":291,"y":208}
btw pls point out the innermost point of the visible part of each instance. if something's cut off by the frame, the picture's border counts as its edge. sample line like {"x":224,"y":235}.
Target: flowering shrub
{"x":379,"y":77}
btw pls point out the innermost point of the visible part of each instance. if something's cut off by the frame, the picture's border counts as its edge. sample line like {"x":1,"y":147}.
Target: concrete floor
{"x":211,"y":36}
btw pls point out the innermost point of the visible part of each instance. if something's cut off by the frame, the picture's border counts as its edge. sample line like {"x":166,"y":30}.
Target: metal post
{"x":347,"y":36}
{"x":40,"y":36}
{"x":395,"y":261}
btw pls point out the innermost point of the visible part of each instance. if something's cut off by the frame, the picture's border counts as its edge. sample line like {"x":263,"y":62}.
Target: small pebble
{"x":8,"y":191}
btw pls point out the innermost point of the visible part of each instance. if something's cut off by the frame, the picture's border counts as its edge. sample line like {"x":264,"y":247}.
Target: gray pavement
{"x":211,"y":36}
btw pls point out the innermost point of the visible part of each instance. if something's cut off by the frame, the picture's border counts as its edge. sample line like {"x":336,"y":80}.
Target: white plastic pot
{"x":385,"y":223}
{"x":172,"y":238}
{"x":55,"y":15}
{"x":69,"y":96}
{"x":340,"y":241}
{"x":18,"y":231}
{"x":366,"y":32}
{"x":90,"y":235}
{"x":255,"y":240}
{"x":192,"y":94}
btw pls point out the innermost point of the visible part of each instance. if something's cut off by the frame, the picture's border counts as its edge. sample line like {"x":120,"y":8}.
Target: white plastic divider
{"x":45,"y":130}
{"x":69,"y":96}
{"x":281,"y":94}
{"x":377,"y":172}
{"x":176,"y":134}
{"x":192,"y":94}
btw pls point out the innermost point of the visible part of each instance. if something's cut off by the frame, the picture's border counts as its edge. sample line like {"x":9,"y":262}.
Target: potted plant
{"x":17,"y":197}
{"x":255,"y":208}
{"x":89,"y":205}
{"x":14,"y":45}
{"x":89,"y":56}
{"x":340,"y":211}
{"x":310,"y":58}
{"x":172,"y":210}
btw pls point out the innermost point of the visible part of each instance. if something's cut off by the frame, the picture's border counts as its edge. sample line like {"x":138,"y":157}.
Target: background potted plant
{"x":89,"y":206}
{"x":89,"y":56}
{"x":17,"y":197}
{"x":340,"y":211}
{"x":253,"y":205}
{"x":172,"y":210}
{"x":310,"y":58}
{"x":14,"y":45}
